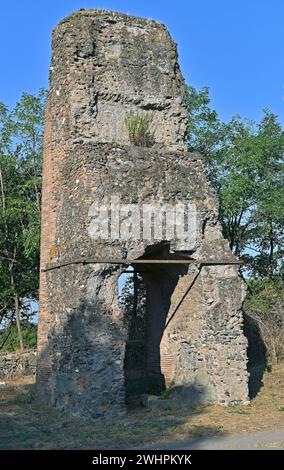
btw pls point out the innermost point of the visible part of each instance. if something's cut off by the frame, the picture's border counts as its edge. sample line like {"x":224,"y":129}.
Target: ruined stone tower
{"x":104,"y":66}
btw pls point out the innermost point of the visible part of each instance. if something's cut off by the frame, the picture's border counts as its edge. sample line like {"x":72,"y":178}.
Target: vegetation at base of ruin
{"x":244,"y":162}
{"x":264,"y":304}
{"x":139,"y":129}
{"x":165,"y":394}
{"x":29,"y":424}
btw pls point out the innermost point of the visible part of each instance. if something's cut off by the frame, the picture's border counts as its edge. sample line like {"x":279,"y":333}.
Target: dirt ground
{"x":26,"y":424}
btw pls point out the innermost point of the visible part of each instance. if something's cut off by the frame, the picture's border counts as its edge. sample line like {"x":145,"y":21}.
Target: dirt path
{"x":254,"y":441}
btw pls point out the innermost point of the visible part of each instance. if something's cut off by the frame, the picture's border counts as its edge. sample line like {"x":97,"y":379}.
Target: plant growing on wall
{"x":139,"y":129}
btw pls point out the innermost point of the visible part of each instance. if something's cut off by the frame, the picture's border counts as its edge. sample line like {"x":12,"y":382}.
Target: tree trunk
{"x":271,"y":251}
{"x":2,"y":192}
{"x":37,"y":193}
{"x":17,"y":312}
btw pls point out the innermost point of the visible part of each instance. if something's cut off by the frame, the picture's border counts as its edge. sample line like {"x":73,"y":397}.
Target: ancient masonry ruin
{"x":104,"y":65}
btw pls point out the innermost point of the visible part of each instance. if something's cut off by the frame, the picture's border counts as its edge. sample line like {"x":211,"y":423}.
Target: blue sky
{"x":233,"y":46}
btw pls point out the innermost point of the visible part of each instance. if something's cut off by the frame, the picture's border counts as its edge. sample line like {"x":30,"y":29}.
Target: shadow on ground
{"x":27,"y":424}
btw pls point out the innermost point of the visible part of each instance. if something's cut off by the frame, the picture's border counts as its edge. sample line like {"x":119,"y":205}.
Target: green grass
{"x":138,"y":127}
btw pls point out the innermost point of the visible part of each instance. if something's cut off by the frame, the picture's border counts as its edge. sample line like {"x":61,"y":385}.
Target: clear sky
{"x":233,"y":46}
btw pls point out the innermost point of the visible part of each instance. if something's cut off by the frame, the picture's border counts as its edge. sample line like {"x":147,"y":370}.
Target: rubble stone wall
{"x":104,"y":65}
{"x":14,"y":364}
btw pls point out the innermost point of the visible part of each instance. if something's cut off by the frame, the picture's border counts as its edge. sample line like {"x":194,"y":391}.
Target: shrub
{"x":9,"y":337}
{"x":265,"y":306}
{"x":138,"y":127}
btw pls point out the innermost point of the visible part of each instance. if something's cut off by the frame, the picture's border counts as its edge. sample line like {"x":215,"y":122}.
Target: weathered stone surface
{"x":154,"y":402}
{"x":14,"y":364}
{"x":105,"y":64}
{"x":111,"y":64}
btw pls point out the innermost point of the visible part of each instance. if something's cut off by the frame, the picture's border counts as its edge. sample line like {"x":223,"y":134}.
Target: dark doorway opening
{"x":146,"y":301}
{"x":257,"y":355}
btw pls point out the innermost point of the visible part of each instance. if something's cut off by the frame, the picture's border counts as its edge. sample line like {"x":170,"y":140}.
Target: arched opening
{"x":145,"y":297}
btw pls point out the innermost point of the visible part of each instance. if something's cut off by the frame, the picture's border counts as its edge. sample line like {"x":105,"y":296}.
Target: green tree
{"x":133,"y":303}
{"x":9,"y":337}
{"x":245,"y":163}
{"x":20,"y":188}
{"x":205,"y":130}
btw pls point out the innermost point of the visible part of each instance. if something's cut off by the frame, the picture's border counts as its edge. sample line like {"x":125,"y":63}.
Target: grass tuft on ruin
{"x":139,"y":129}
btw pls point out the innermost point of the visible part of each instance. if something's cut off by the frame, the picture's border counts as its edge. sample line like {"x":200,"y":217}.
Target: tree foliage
{"x":244,"y":160}
{"x":9,"y":337}
{"x":21,"y":132}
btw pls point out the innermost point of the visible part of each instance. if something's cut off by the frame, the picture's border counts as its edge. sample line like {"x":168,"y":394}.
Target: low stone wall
{"x":17,"y":364}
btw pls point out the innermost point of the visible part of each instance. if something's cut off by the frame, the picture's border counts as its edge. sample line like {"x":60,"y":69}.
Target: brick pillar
{"x":51,"y":177}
